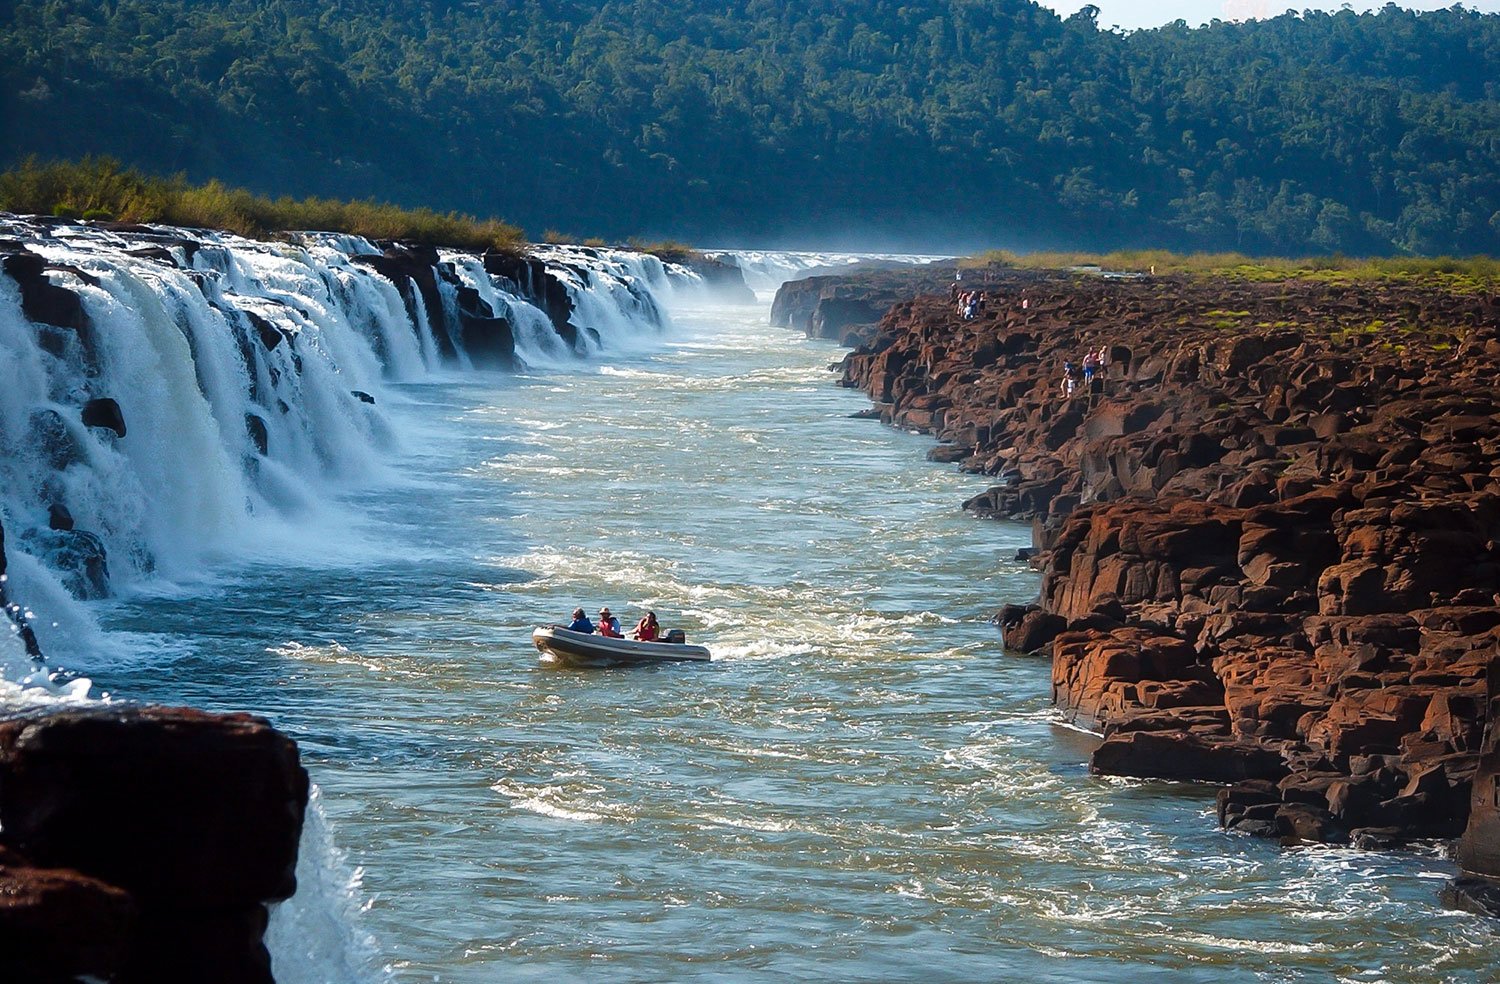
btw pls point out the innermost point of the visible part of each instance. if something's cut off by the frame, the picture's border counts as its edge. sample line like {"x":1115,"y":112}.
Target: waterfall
{"x":312,"y":936}
{"x":766,"y":270}
{"x":172,"y":397}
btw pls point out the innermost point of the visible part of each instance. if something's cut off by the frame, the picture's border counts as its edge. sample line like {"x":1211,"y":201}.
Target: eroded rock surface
{"x":1269,"y":528}
{"x":157,"y":835}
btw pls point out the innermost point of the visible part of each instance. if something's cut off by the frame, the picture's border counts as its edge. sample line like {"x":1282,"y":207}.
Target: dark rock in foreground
{"x":158,"y":833}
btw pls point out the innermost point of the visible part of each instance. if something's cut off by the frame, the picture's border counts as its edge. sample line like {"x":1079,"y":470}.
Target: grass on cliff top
{"x":101,"y":188}
{"x":1471,"y":273}
{"x":667,"y":250}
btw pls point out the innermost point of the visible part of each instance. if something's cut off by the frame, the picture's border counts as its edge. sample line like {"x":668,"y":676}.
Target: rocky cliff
{"x":1269,"y":525}
{"x":143,"y":844}
{"x":846,"y":308}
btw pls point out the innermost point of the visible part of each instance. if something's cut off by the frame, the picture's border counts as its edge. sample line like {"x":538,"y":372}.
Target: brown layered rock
{"x":1478,"y":887}
{"x":1271,"y":522}
{"x":57,"y":924}
{"x":192,"y":819}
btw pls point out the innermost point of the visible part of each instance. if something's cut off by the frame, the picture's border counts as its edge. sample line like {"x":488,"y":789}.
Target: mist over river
{"x":860,"y":786}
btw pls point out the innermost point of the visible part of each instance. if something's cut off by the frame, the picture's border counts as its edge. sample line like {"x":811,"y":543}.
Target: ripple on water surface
{"x":861,"y":786}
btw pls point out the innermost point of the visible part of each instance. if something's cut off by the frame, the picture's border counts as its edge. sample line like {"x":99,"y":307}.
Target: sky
{"x":1132,"y":14}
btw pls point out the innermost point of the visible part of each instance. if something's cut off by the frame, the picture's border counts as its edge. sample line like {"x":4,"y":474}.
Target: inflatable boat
{"x":583,"y":649}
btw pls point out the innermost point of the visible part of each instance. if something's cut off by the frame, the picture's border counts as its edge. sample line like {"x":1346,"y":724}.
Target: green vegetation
{"x":1462,"y":274}
{"x":100,"y":188}
{"x":932,"y":122}
{"x":668,"y":251}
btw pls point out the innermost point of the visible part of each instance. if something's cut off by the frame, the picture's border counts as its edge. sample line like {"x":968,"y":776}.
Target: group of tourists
{"x":970,"y":304}
{"x":1095,"y":363}
{"x":646,"y":630}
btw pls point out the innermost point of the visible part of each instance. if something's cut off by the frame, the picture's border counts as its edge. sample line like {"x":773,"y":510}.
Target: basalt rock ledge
{"x":1268,"y":526}
{"x":143,"y":844}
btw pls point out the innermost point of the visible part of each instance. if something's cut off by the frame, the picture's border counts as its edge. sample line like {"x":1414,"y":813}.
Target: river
{"x":860,"y":786}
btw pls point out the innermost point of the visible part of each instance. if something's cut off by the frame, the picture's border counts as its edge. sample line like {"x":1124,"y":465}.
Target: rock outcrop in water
{"x":835,"y":308}
{"x":1269,"y":529}
{"x":726,"y":280}
{"x":15,"y":619}
{"x":143,"y":844}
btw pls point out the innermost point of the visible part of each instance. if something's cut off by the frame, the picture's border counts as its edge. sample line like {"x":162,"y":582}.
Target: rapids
{"x":861,"y":786}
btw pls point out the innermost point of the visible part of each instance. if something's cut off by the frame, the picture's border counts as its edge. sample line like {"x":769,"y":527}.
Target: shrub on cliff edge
{"x":99,"y":187}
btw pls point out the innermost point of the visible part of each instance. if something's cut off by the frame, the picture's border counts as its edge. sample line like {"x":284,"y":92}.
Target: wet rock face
{"x":77,"y":556}
{"x":489,"y":340}
{"x":194,"y":818}
{"x":1270,"y":522}
{"x":260,"y":436}
{"x":57,"y":924}
{"x":532,"y":281}
{"x":11,"y":616}
{"x":1479,"y":847}
{"x":414,"y":267}
{"x":42,"y":300}
{"x":104,"y":412}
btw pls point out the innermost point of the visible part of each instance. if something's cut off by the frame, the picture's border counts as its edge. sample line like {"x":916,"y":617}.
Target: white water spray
{"x":249,"y":377}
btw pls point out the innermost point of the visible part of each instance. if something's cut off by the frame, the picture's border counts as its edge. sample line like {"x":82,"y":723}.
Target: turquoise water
{"x":861,"y":786}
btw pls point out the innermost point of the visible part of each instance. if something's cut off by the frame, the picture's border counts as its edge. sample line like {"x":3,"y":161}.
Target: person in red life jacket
{"x":647,"y":629}
{"x":609,"y":626}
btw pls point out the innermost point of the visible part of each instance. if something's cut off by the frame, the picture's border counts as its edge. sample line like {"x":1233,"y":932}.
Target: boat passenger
{"x":647,"y":629}
{"x":609,"y":626}
{"x":581,"y":622}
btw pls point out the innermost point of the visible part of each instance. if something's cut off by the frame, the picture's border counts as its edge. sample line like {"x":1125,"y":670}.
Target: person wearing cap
{"x":581,"y":622}
{"x":609,"y":626}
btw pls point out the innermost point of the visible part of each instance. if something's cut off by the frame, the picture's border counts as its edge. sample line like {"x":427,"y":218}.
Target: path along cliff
{"x":1269,"y":526}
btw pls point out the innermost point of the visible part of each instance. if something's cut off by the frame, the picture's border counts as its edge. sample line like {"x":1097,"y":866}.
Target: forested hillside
{"x":928,"y":122}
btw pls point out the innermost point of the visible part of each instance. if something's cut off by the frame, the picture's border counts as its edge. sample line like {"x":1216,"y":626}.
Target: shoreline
{"x":1267,"y":530}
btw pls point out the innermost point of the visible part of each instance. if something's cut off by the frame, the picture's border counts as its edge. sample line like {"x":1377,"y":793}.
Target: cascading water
{"x":858,"y":787}
{"x":190,"y":393}
{"x":617,"y":292}
{"x":766,"y":270}
{"x":171,"y":397}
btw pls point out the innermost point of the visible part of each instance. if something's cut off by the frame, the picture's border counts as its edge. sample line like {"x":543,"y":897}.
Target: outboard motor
{"x":676,"y":635}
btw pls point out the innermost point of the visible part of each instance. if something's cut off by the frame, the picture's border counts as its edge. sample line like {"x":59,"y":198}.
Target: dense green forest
{"x":936,"y":123}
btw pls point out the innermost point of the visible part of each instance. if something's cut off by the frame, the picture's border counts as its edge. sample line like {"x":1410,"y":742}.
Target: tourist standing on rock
{"x":581,"y":622}
{"x":1067,"y":380}
{"x":1090,"y":365}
